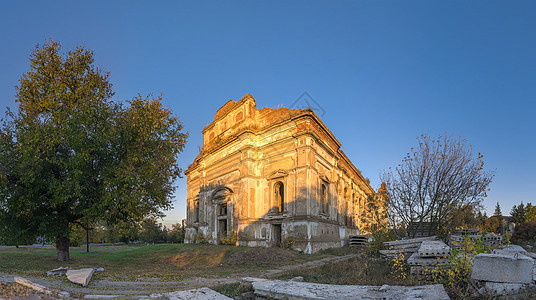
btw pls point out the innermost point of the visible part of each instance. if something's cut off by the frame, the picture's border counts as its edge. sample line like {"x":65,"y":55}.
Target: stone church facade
{"x":274,"y":177}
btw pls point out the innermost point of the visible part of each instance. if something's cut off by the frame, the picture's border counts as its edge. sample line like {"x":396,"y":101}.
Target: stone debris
{"x":194,"y":294}
{"x":490,"y":239}
{"x":430,"y":256}
{"x":277,"y":289}
{"x":101,"y":297}
{"x":82,"y":276}
{"x":511,"y":250}
{"x":407,"y":246}
{"x":501,"y":288}
{"x":99,"y":269}
{"x":58,"y":272}
{"x":34,"y":286}
{"x":433,"y":249}
{"x":505,"y":268}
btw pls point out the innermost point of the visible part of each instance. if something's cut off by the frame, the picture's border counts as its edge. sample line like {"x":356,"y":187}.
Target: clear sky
{"x":383,"y":72}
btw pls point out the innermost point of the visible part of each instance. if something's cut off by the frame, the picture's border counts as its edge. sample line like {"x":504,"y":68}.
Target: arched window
{"x":279,"y":196}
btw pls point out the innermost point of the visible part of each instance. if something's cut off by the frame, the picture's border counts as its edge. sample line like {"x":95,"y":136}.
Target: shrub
{"x":200,"y":238}
{"x":229,"y":239}
{"x":455,"y":276}
{"x":524,"y":232}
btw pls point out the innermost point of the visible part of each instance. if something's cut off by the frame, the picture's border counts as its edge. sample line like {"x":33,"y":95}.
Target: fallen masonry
{"x":194,"y":294}
{"x":503,"y":268}
{"x":293,"y":290}
{"x":82,"y":276}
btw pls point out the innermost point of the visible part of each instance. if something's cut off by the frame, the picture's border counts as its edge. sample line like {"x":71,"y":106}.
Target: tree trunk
{"x":62,"y":248}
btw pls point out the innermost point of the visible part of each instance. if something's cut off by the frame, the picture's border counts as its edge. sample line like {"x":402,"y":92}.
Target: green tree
{"x":151,"y":231}
{"x":530,"y":214}
{"x":497,"y":212}
{"x":518,"y":214}
{"x":71,"y":155}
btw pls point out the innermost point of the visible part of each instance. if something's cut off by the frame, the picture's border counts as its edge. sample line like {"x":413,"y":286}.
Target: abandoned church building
{"x":273,"y":177}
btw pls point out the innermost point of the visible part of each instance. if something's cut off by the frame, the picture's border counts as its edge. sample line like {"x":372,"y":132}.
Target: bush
{"x":229,"y":239}
{"x":455,"y":277}
{"x":200,"y":238}
{"x":524,"y":232}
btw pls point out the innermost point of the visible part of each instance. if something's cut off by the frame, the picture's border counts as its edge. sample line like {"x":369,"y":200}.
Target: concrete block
{"x":291,"y":290}
{"x":194,"y":294}
{"x":82,"y":276}
{"x":511,"y":250}
{"x":503,"y":268}
{"x":502,"y":289}
{"x":433,"y":249}
{"x":416,"y":260}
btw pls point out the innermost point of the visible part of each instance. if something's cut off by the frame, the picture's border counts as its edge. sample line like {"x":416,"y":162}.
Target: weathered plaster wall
{"x":247,"y":154}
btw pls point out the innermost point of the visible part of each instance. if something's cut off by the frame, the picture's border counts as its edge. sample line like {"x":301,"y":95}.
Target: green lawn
{"x":166,"y":262}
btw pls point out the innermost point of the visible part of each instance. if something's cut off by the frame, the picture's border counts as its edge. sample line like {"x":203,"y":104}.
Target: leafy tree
{"x":70,"y":155}
{"x":492,"y":224}
{"x":176,"y":234}
{"x":435,"y":181}
{"x":151,"y":231}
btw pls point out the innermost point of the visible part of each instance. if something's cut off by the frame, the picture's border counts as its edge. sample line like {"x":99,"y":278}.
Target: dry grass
{"x":165,"y":262}
{"x":362,"y":270}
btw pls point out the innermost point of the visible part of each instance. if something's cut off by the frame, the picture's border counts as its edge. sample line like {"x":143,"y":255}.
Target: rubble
{"x":407,"y":246}
{"x":58,"y":272}
{"x":431,"y":255}
{"x":82,"y":276}
{"x":197,"y":294}
{"x":277,"y":289}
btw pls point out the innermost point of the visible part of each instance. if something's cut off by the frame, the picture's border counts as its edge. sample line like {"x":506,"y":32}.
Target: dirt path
{"x":139,"y":288}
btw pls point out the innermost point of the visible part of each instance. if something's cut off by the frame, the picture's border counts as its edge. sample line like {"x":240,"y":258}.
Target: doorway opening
{"x":277,"y":235}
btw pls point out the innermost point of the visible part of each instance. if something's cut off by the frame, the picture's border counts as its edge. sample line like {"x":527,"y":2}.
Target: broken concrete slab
{"x":511,"y":250}
{"x":58,"y":272}
{"x":409,"y":241}
{"x":503,"y":268}
{"x":197,"y":294}
{"x":32,"y":285}
{"x":277,"y":289}
{"x":433,"y":249}
{"x":416,"y":260}
{"x":82,"y":276}
{"x":502,"y":289}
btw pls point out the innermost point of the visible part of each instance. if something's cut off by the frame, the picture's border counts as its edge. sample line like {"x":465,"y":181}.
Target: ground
{"x":141,"y":270}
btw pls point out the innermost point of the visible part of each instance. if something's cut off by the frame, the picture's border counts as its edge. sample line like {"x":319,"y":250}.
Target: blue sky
{"x":383,"y":71}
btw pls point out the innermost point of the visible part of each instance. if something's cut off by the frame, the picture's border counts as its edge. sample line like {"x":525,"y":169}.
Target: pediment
{"x":277,"y":174}
{"x":221,"y":194}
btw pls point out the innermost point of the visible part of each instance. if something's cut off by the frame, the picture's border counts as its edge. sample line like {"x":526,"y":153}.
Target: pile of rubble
{"x":431,"y":255}
{"x":489,"y":239}
{"x":407,"y":246}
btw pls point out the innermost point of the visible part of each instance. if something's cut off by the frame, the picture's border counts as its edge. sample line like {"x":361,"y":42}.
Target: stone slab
{"x":194,"y":294}
{"x":32,"y":285}
{"x":277,"y":289}
{"x":409,"y":241}
{"x":82,"y":276}
{"x":502,"y":289}
{"x":58,"y":272}
{"x":511,"y":249}
{"x":416,"y":260}
{"x":433,"y":249}
{"x":503,"y":268}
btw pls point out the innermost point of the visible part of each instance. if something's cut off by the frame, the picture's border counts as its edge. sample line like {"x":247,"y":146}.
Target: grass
{"x":163,"y":262}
